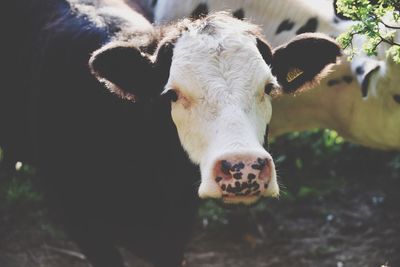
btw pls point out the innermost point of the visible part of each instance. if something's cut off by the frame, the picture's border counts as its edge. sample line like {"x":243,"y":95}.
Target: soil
{"x":356,"y":225}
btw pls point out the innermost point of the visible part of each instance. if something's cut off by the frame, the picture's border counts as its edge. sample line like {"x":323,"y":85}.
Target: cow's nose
{"x":246,"y":176}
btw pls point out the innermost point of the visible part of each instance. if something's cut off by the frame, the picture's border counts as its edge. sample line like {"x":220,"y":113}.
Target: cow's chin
{"x":246,"y":200}
{"x":211,"y":190}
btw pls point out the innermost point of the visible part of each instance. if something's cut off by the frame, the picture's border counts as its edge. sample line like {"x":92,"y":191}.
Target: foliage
{"x":308,"y":164}
{"x":18,"y":190}
{"x":328,"y":163}
{"x":377,"y":20}
{"x":211,"y":213}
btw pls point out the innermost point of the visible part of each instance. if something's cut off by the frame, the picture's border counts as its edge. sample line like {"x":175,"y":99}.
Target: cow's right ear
{"x":126,"y":71}
{"x":303,"y":60}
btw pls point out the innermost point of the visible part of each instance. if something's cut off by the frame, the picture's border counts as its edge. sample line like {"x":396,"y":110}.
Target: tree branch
{"x":389,"y":26}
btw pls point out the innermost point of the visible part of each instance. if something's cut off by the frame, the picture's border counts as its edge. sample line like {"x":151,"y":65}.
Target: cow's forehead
{"x":217,"y":52}
{"x":218,"y":33}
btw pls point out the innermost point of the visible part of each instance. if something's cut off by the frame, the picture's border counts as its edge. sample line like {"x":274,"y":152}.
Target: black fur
{"x":200,"y":11}
{"x":127,"y":68}
{"x":239,"y":14}
{"x":114,"y":172}
{"x":347,"y":78}
{"x":360,"y":70}
{"x":285,"y":25}
{"x":309,"y":52}
{"x":310,"y":26}
{"x":133,"y":72}
{"x":333,"y":82}
{"x":265,"y":50}
{"x":366,"y":80}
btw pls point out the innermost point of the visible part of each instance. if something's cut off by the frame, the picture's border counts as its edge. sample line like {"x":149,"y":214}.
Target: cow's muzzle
{"x":242,"y":178}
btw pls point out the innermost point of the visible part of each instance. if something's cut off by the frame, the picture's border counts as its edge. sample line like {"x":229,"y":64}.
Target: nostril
{"x":260,"y":164}
{"x":225,"y":167}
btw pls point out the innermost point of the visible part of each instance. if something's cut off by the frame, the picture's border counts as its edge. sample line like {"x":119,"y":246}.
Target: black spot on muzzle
{"x":225,"y":167}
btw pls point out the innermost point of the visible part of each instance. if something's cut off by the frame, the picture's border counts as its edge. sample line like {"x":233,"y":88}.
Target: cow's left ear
{"x":130,"y":73}
{"x":303,"y":60}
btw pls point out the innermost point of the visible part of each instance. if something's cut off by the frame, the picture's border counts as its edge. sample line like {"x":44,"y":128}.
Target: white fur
{"x":222,"y":107}
{"x":373,"y":121}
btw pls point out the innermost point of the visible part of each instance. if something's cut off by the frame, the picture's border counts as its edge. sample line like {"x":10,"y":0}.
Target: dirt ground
{"x":358,"y":225}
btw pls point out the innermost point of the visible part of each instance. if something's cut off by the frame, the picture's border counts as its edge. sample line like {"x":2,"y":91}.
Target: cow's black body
{"x":114,"y":171}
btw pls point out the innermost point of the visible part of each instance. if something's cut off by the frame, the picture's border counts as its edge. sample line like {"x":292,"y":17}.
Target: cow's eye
{"x":268,"y":88}
{"x":172,"y":95}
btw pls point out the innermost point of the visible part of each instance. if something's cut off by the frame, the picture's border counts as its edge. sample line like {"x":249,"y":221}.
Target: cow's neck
{"x":317,"y":107}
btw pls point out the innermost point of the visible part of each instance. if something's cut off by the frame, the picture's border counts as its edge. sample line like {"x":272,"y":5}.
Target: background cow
{"x":119,"y":170}
{"x":359,"y":99}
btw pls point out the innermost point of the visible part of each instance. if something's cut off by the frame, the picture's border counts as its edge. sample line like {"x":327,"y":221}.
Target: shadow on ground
{"x":355,"y":225}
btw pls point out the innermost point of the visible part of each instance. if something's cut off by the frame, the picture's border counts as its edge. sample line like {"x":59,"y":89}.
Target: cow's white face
{"x":371,"y":118}
{"x":221,"y":108}
{"x":218,"y":73}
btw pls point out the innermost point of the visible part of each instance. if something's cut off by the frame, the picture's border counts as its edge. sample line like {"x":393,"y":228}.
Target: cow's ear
{"x":163,"y":60}
{"x":303,"y":60}
{"x":127,"y":71}
{"x":265,"y":50}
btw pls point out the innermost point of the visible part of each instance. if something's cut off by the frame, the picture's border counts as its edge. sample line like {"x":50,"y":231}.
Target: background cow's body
{"x":363,"y":108}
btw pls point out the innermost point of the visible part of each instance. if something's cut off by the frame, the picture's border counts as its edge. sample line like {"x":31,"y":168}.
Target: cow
{"x":128,"y":124}
{"x":359,"y":99}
